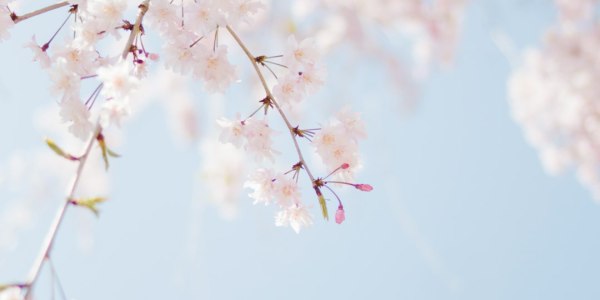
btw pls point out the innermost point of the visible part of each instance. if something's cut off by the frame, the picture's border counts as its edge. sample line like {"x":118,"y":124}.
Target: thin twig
{"x":40,"y":11}
{"x":37,"y":267}
{"x":56,"y":277}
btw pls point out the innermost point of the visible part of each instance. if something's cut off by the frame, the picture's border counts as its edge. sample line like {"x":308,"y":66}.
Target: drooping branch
{"x":50,"y":238}
{"x":252,"y":59}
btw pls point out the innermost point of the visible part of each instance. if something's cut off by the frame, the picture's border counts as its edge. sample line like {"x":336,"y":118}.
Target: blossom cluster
{"x":433,"y":26}
{"x":189,"y":31}
{"x":336,"y":143}
{"x":77,"y":58}
{"x":554,"y":95}
{"x":78,"y":54}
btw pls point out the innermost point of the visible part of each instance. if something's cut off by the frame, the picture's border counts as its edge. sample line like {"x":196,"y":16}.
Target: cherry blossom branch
{"x":35,"y":272}
{"x":45,"y":253}
{"x":253,"y":59}
{"x":40,"y":11}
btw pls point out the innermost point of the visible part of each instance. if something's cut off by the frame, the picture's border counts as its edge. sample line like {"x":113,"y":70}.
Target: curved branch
{"x":252,"y":59}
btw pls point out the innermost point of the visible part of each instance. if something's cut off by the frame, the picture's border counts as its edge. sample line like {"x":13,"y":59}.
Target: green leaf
{"x":90,"y":203}
{"x":323,"y":207}
{"x":112,"y":153}
{"x":59,"y":151}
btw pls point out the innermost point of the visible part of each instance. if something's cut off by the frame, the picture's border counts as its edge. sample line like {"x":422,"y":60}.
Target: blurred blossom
{"x":222,"y":174}
{"x":554,"y":96}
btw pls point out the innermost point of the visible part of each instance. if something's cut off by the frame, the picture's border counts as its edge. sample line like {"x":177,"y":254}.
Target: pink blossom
{"x":214,"y":68}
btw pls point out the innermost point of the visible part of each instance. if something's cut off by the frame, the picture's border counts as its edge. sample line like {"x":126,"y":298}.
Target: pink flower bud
{"x":340,"y":215}
{"x":345,"y":166}
{"x":364,"y":187}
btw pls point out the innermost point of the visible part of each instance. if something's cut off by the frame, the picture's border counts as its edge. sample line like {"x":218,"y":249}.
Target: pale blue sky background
{"x":461,"y":208}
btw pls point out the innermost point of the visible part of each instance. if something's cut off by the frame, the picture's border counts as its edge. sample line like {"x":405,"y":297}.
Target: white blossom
{"x":303,"y":53}
{"x":12,"y":293}
{"x":262,"y":182}
{"x":118,"y":81}
{"x":295,"y":217}
{"x":73,"y":111}
{"x":64,"y":80}
{"x":163,"y":16}
{"x":232,"y":131}
{"x":222,"y":175}
{"x":215,"y":70}
{"x":337,"y":143}
{"x":82,"y":61}
{"x":287,"y":192}
{"x":258,"y":139}
{"x":113,"y":112}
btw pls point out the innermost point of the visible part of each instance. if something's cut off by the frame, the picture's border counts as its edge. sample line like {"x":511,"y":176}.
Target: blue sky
{"x":462,"y":208}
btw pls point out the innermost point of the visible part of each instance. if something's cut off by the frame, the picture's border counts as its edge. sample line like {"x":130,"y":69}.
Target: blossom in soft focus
{"x":263,"y":185}
{"x":222,"y":175}
{"x":232,"y":131}
{"x":39,"y":54}
{"x":573,"y":11}
{"x":6,"y":22}
{"x":12,"y":293}
{"x":113,"y":112}
{"x":82,"y":61}
{"x":554,"y":96}
{"x":214,"y":69}
{"x":118,"y":81}
{"x":108,"y":13}
{"x":64,"y":80}
{"x":163,"y":15}
{"x":73,"y":111}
